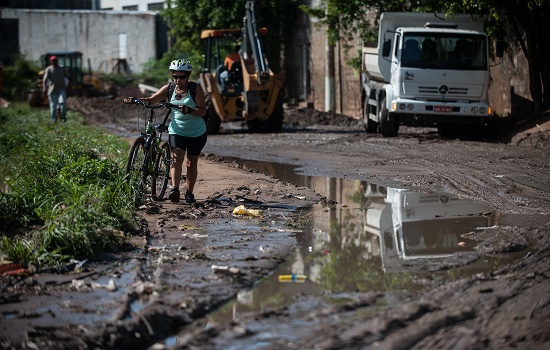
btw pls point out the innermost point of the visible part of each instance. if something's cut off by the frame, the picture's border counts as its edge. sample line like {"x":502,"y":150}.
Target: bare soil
{"x":166,"y":284}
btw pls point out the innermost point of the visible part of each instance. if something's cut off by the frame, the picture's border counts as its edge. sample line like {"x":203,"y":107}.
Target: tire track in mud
{"x":505,"y":189}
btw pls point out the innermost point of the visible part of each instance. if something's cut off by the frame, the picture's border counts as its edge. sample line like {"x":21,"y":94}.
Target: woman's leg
{"x":192,"y":172}
{"x":177,"y":164}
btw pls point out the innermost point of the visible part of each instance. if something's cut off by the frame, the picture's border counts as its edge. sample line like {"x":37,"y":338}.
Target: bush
{"x":19,"y":79}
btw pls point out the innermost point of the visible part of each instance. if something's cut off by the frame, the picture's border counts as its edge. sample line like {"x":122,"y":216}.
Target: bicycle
{"x":150,"y":158}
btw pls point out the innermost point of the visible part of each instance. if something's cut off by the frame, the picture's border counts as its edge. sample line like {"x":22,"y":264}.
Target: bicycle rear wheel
{"x":163,"y":163}
{"x":136,"y":171}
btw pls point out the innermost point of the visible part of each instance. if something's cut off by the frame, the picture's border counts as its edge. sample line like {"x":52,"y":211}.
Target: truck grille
{"x":453,"y":91}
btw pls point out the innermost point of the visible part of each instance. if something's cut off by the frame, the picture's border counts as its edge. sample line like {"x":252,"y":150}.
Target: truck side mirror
{"x":500,"y":47}
{"x":386,"y":48}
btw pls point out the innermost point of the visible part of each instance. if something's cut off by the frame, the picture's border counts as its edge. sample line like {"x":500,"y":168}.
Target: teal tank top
{"x":188,"y":125}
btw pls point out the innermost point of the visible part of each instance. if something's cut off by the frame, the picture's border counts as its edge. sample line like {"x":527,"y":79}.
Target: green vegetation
{"x":63,"y":189}
{"x":18,"y":79}
{"x":186,"y":26}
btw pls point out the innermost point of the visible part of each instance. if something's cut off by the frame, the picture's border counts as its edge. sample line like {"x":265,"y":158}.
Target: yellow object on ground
{"x":292,"y":278}
{"x":242,"y":210}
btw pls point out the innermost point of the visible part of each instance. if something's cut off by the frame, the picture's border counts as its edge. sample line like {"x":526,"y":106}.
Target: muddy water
{"x":367,"y":237}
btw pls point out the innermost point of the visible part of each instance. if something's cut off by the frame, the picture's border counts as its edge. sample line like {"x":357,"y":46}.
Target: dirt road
{"x":191,"y":259}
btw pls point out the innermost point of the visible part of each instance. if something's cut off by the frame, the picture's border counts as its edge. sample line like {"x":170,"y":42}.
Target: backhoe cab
{"x":247,"y":90}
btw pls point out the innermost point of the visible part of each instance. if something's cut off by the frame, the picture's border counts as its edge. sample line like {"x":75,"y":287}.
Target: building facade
{"x":105,"y":38}
{"x":132,"y":5}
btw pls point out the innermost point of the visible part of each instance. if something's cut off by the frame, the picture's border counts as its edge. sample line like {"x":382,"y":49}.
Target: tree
{"x":520,"y":23}
{"x":188,"y":18}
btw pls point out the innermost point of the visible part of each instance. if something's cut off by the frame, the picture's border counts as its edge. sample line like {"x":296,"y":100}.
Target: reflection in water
{"x":413,"y":225}
{"x":368,"y":241}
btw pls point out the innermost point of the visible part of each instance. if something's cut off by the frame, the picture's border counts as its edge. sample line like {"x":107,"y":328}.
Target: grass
{"x":63,"y":192}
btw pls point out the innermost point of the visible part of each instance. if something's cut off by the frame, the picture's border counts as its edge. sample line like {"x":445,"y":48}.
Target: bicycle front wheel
{"x":163,"y":162}
{"x":135,"y":166}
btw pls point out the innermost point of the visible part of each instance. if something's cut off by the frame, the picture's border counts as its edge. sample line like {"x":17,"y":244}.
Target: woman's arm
{"x":157,"y":97}
{"x":200,"y":101}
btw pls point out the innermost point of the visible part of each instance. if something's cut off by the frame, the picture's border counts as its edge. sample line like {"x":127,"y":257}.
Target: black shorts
{"x":192,"y":145}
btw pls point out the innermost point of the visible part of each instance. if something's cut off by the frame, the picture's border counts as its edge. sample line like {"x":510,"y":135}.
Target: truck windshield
{"x":453,"y":51}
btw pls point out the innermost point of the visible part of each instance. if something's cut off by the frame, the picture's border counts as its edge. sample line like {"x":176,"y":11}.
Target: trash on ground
{"x":242,"y":210}
{"x":292,"y":278}
{"x":87,"y":285}
{"x":225,"y":269}
{"x":290,"y":195}
{"x":187,"y":227}
{"x":17,"y":272}
{"x":7,"y":267}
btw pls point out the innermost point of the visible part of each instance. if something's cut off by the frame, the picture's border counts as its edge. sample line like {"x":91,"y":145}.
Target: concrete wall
{"x":509,"y":90}
{"x":94,"y":33}
{"x":347,"y":88}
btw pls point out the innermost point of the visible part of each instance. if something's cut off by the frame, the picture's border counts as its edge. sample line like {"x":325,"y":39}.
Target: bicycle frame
{"x":154,"y":167}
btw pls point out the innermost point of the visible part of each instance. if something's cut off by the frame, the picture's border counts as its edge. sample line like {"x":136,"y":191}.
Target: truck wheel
{"x":388,"y":123}
{"x":370,"y":125}
{"x":446,"y":132}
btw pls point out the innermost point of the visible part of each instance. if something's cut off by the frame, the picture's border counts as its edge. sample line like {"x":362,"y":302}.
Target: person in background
{"x":54,"y":84}
{"x":232,"y":58}
{"x":187,"y":128}
{"x":231,"y":63}
{"x":429,"y":50}
{"x":411,"y":51}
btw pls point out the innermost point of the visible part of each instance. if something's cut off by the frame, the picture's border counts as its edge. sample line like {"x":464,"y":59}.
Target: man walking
{"x":54,"y":80}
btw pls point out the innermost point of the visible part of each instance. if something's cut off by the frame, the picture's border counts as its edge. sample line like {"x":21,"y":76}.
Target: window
{"x":130,"y":8}
{"x":156,"y":6}
{"x":444,"y":50}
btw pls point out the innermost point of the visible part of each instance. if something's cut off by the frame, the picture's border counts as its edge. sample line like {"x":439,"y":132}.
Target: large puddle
{"x":366,"y":237}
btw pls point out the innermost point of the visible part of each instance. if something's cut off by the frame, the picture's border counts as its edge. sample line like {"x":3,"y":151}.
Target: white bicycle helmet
{"x":181,"y":65}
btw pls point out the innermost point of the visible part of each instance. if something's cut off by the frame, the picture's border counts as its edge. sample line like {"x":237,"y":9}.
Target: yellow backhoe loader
{"x":248,"y":90}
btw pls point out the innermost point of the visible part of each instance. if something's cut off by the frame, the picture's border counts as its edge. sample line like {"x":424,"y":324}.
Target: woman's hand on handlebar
{"x":130,"y":100}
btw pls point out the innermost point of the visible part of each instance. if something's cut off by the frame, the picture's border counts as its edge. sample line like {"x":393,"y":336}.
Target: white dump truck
{"x":426,"y":70}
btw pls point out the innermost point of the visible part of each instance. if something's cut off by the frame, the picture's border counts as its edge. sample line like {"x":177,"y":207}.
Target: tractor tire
{"x":273,"y":124}
{"x":213,"y":123}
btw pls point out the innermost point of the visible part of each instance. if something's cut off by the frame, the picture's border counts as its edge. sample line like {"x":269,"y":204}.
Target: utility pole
{"x":329,"y":78}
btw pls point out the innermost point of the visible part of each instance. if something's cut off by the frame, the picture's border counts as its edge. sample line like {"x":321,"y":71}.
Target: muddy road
{"x":193,"y":269}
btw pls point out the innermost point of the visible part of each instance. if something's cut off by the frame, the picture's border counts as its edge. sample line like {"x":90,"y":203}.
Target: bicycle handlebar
{"x":136,"y":101}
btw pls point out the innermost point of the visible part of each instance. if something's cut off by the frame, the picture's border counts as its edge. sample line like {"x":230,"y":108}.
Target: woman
{"x":187,"y":129}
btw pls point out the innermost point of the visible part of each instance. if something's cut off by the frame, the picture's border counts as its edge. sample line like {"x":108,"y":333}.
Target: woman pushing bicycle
{"x":187,"y":128}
